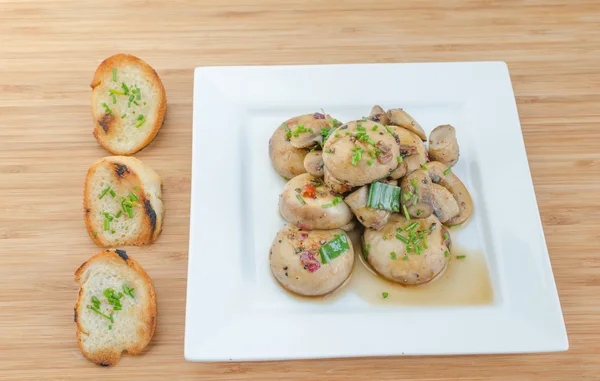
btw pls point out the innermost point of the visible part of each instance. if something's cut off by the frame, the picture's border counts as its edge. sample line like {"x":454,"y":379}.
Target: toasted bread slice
{"x":122,"y":202}
{"x":128,"y":103}
{"x":103,"y":330}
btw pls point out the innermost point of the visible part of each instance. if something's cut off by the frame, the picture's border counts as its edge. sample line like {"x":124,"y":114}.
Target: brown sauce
{"x":464,"y":282}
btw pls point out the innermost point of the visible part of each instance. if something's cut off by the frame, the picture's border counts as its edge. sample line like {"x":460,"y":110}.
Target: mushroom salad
{"x":376,"y":172}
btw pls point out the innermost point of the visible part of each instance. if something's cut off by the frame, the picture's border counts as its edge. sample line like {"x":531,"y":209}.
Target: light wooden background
{"x":50,"y":49}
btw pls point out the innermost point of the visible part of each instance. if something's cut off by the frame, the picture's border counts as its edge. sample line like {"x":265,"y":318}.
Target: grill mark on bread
{"x":121,"y":169}
{"x":122,"y":254}
{"x":151,"y":214}
{"x":106,"y":121}
{"x":75,"y":315}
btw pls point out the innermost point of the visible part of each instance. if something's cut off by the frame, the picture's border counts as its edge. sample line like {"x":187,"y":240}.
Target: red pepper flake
{"x":318,"y":115}
{"x":309,"y":191}
{"x":304,"y":226}
{"x":303,"y":236}
{"x":309,"y":261}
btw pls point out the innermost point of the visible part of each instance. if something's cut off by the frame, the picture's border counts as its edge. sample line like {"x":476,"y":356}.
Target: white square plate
{"x":235,"y":308}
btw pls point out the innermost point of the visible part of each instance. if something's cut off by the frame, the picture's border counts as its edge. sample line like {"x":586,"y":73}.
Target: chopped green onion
{"x":106,"y":108}
{"x":142,"y":120}
{"x":288,"y":132}
{"x":337,"y":200}
{"x":393,"y":255}
{"x":133,"y":197}
{"x":300,"y":199}
{"x":125,"y":88}
{"x":384,"y":196}
{"x":106,"y":225}
{"x":413,"y":183}
{"x":425,"y":244}
{"x":95,"y":234}
{"x":334,"y":248}
{"x":409,"y":248}
{"x":138,"y":94}
{"x":390,"y":130}
{"x":446,"y":236}
{"x":402,"y":238}
{"x":112,"y":193}
{"x":113,"y":231}
{"x":119,"y":214}
{"x":357,"y":156}
{"x":447,"y":171}
{"x":406,"y":215}
{"x":384,"y":237}
{"x":374,"y":128}
{"x":461,"y":256}
{"x":414,"y":201}
{"x":365,"y":248}
{"x":425,"y":167}
{"x":347,"y":133}
{"x":411,"y":227}
{"x":114,"y":74}
{"x":97,"y":310}
{"x":418,"y":249}
{"x":385,"y":295}
{"x":327,"y":150}
{"x":399,"y":158}
{"x":419,"y":212}
{"x":104,"y":192}
{"x":446,"y":254}
{"x":95,"y":302}
{"x":325,"y":206}
{"x":114,"y":98}
{"x":406,"y":196}
{"x":405,"y":258}
{"x":128,"y":290}
{"x":370,"y":162}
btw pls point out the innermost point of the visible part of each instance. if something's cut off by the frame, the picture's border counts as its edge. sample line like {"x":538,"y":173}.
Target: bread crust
{"x":135,"y":171}
{"x":111,"y":356}
{"x":103,"y":120}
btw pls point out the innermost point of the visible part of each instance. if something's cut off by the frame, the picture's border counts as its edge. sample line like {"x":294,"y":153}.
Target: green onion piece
{"x":393,"y":255}
{"x":425,"y":167}
{"x":419,"y":212}
{"x":370,"y":162}
{"x":425,"y":244}
{"x":411,"y":227}
{"x":95,"y":301}
{"x":138,"y":94}
{"x":399,"y":158}
{"x":405,"y":258}
{"x":325,"y":206}
{"x":347,"y":133}
{"x":461,"y":256}
{"x":115,"y":92}
{"x":447,"y":171}
{"x":97,"y":310}
{"x":123,"y":116}
{"x":409,"y":248}
{"x":385,"y":295}
{"x":288,"y":132}
{"x":130,"y":212}
{"x":414,"y":201}
{"x":327,"y":150}
{"x":104,"y":192}
{"x":337,"y":200}
{"x":114,"y":74}
{"x":142,"y":120}
{"x":418,"y":249}
{"x":413,"y":183}
{"x":300,"y":199}
{"x":106,"y":108}
{"x":402,"y":238}
{"x":374,"y":128}
{"x":446,"y":254}
{"x":334,"y":248}
{"x":110,"y":327}
{"x":140,"y":117}
{"x":125,"y":88}
{"x":95,"y":234}
{"x":390,"y":130}
{"x":114,"y":98}
{"x":365,"y":248}
{"x":384,"y":196}
{"x":133,"y":197}
{"x":119,"y":214}
{"x":113,"y":231}
{"x":406,"y":215}
{"x":112,"y":193}
{"x":129,"y":290}
{"x":406,"y":196}
{"x":357,"y":156}
{"x":446,"y":236}
{"x":384,"y":237}
{"x":106,"y":225}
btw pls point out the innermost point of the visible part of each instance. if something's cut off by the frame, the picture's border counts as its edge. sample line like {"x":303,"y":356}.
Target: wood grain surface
{"x":50,"y":49}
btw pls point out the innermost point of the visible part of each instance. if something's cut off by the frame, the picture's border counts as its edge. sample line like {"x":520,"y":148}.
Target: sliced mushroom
{"x":369,"y":217}
{"x":443,"y":146}
{"x":360,"y":153}
{"x":306,"y":130}
{"x":310,"y":204}
{"x":392,"y":259}
{"x":422,"y":197}
{"x":313,"y":163}
{"x":399,"y":117}
{"x":412,"y":148}
{"x":287,"y":160}
{"x":378,"y":115}
{"x":297,"y":264}
{"x":441,"y":174}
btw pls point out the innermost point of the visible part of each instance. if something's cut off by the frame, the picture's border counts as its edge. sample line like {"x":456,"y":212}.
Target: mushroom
{"x":336,"y":185}
{"x":378,"y":115}
{"x":422,"y":197}
{"x":412,"y":150}
{"x":350,"y":226}
{"x":399,"y":117}
{"x":418,"y":257}
{"x":298,"y":266}
{"x":360,"y":152}
{"x":443,"y":146}
{"x":369,"y":217}
{"x":310,"y":204}
{"x":443,"y":175}
{"x":306,"y":130}
{"x":287,"y":160}
{"x":313,"y":163}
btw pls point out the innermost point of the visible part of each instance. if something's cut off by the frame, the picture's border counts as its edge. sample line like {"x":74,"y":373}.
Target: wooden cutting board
{"x":50,"y":49}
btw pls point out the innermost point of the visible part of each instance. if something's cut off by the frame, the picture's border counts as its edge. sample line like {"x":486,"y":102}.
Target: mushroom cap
{"x":309,"y":204}
{"x":297,"y":265}
{"x":399,"y":117}
{"x":313,"y":163}
{"x":416,"y":268}
{"x":357,"y":162}
{"x":306,"y":129}
{"x":287,"y":160}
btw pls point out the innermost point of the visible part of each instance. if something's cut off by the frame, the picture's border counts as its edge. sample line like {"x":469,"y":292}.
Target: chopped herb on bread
{"x":128,"y":104}
{"x":122,"y":202}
